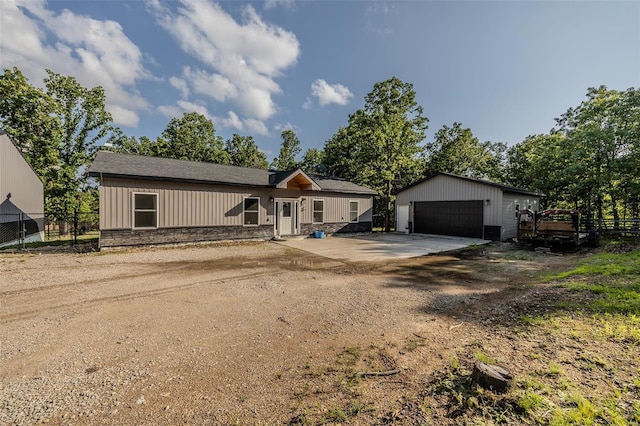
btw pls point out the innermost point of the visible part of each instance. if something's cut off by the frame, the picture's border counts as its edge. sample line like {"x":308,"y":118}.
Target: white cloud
{"x":378,"y":8}
{"x":308,"y":103}
{"x":171,"y":111}
{"x":270,"y":4}
{"x":181,"y":85}
{"x":95,"y":52}
{"x":214,"y":86}
{"x":240,"y":59}
{"x":232,"y":120}
{"x":256,"y":126}
{"x":330,"y":93}
{"x":182,"y":106}
{"x":279,"y":127}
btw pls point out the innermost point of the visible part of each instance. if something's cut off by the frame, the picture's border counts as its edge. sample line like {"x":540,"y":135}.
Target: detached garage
{"x":446,"y":204}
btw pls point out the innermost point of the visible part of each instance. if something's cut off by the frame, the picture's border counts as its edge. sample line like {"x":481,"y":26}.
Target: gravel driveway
{"x":214,"y":334}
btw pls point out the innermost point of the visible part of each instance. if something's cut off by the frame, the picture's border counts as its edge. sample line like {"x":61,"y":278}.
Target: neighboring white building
{"x":447,"y":204}
{"x":21,"y":197}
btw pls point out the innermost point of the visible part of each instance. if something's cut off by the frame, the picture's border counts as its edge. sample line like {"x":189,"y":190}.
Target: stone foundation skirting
{"x":139,"y":237}
{"x":335,"y":228}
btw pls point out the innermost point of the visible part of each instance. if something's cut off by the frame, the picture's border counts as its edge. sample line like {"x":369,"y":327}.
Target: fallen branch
{"x":455,"y":326}
{"x":379,"y":373}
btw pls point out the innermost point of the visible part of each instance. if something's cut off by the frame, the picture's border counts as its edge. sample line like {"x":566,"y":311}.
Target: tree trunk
{"x":616,"y":213}
{"x":599,"y":212}
{"x":492,"y":377}
{"x":387,"y":211}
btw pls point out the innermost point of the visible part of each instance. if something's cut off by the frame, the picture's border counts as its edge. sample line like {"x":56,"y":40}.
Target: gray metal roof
{"x":156,"y":168}
{"x":505,"y":188}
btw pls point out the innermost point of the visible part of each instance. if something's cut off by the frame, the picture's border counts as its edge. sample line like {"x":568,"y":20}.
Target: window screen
{"x":318,"y":211}
{"x":353,"y":211}
{"x":251,"y":211}
{"x":145,"y":210}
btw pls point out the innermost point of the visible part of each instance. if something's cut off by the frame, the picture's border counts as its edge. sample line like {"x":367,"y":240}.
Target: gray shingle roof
{"x":506,"y":188}
{"x":156,"y":168}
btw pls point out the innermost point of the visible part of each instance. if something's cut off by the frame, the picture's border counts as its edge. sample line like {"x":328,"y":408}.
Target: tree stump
{"x":493,"y":377}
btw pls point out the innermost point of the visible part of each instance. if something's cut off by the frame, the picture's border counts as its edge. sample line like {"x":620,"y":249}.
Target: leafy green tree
{"x":58,"y":129}
{"x":342,"y":154}
{"x":535,"y":164}
{"x":381,"y":143}
{"x":243,"y":151}
{"x":26,"y":115}
{"x":455,"y":150}
{"x":289,"y":150}
{"x":603,"y":131}
{"x":313,"y":161}
{"x":191,"y":137}
{"x":84,"y":121}
{"x":590,"y":160}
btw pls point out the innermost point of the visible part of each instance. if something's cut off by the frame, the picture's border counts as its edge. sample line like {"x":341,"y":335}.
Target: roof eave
{"x":174,"y":179}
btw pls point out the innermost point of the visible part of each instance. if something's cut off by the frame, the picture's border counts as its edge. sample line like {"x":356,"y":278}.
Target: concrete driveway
{"x":379,"y":247}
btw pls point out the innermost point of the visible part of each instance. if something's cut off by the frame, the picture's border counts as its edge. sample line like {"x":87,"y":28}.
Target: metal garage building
{"x":446,"y":204}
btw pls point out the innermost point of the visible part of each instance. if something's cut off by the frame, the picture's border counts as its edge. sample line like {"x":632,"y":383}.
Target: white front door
{"x":402,"y":216}
{"x":287,"y":217}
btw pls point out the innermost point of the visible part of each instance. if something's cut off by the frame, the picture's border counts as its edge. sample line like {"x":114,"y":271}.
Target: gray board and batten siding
{"x":206,"y":202}
{"x":437,"y":204}
{"x":21,"y":195}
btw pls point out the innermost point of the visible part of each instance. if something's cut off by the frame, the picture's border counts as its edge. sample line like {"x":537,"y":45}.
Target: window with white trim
{"x":318,"y":211}
{"x":353,"y":211}
{"x":145,"y":210}
{"x":251,"y":211}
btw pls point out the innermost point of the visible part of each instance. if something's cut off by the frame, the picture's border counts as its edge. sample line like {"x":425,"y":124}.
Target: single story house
{"x":447,"y":204}
{"x":21,"y":197}
{"x":152,"y":200}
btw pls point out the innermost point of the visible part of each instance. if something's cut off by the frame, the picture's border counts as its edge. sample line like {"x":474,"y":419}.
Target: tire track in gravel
{"x":17,"y":316}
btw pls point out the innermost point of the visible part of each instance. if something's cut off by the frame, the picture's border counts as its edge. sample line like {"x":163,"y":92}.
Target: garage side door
{"x":456,"y":218}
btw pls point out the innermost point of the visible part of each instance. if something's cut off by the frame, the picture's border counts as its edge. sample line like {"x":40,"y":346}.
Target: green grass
{"x":66,"y":240}
{"x":619,"y":297}
{"x":604,"y":264}
{"x":598,"y":315}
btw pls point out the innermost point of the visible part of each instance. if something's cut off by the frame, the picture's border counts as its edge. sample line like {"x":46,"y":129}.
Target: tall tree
{"x":603,"y":131}
{"x":58,"y":129}
{"x":313,"y":161}
{"x":342,"y":154}
{"x":289,"y":150}
{"x":84,"y":121}
{"x":243,"y":151}
{"x":385,"y":138}
{"x":590,"y":160}
{"x":455,"y":150}
{"x":535,"y":164}
{"x":26,"y":115}
{"x":192,"y":137}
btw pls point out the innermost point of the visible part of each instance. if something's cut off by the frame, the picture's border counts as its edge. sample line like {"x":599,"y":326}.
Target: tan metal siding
{"x":336,"y":205}
{"x":179,"y":204}
{"x":509,"y":220}
{"x":17,"y":178}
{"x":446,"y":188}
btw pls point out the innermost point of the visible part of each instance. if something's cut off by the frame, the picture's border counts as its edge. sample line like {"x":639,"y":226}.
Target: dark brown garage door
{"x":457,"y":218}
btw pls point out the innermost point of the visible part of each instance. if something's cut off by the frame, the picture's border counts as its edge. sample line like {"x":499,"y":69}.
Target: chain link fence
{"x":21,"y":230}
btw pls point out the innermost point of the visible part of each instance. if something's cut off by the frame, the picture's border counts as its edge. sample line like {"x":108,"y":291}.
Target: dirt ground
{"x":251,"y":333}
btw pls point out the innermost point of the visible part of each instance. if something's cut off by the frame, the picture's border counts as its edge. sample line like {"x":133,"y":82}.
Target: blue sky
{"x":505,"y":69}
